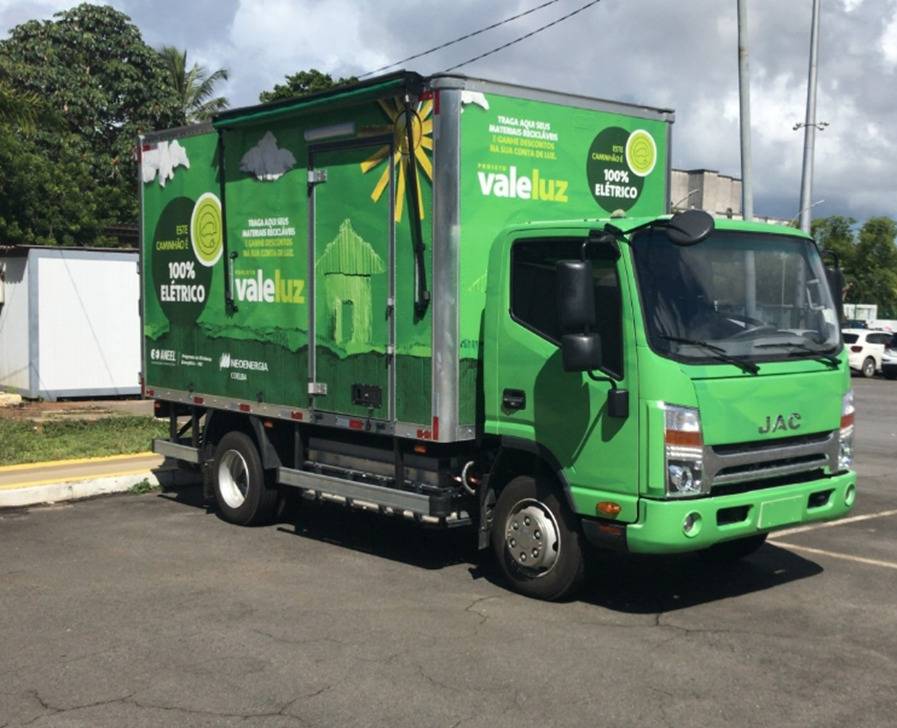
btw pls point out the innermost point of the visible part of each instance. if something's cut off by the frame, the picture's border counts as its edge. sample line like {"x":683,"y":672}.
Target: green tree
{"x":90,"y":66}
{"x":302,"y":83}
{"x":875,"y":266}
{"x":195,"y":87}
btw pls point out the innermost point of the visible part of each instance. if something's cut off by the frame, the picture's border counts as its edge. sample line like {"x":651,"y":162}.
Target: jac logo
{"x":224,"y":361}
{"x":780,"y":423}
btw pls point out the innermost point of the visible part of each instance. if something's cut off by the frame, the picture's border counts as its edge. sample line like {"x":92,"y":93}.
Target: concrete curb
{"x":89,"y":488}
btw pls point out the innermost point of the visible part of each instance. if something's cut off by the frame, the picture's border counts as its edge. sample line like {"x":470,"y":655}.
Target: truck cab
{"x":709,"y":405}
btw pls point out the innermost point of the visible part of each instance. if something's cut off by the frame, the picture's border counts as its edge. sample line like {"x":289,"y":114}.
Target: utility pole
{"x":744,"y":106}
{"x":810,"y":126}
{"x":747,"y":192}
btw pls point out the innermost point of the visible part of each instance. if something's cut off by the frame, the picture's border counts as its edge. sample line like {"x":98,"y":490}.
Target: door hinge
{"x":317,"y":389}
{"x":317,"y":176}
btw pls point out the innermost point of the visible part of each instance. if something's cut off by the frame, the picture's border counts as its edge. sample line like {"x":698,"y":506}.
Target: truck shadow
{"x":651,"y":584}
{"x":619,"y":582}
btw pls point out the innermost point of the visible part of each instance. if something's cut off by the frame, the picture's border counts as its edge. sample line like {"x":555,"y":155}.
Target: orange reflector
{"x":198,"y":400}
{"x":150,"y":392}
{"x":245,"y":408}
{"x":420,"y":449}
{"x":684,"y":438}
{"x":356,"y":424}
{"x":847,"y":420}
{"x":608,"y":508}
{"x":268,"y":424}
{"x":296,"y":415}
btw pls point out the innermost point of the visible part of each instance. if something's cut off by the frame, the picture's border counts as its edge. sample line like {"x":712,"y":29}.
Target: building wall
{"x":706,"y":189}
{"x":14,"y":324}
{"x":89,"y":323}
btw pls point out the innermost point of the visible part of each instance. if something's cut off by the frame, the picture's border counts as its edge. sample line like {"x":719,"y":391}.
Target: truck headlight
{"x":845,"y":450}
{"x":684,"y":452}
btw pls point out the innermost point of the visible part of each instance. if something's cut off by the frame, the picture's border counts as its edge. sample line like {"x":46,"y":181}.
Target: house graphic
{"x":346,"y":266}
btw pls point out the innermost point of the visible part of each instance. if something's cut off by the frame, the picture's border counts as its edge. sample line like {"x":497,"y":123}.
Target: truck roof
{"x":401,"y":81}
{"x":630,"y":223}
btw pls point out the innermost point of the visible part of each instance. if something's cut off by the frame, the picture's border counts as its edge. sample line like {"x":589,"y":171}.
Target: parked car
{"x":866,"y":349}
{"x":854,"y":324}
{"x":889,"y":358}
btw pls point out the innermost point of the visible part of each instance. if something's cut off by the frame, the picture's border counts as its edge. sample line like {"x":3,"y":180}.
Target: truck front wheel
{"x":536,"y":540}
{"x":242,"y":491}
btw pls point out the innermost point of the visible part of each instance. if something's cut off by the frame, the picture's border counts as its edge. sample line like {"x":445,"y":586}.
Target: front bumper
{"x":659,"y":528}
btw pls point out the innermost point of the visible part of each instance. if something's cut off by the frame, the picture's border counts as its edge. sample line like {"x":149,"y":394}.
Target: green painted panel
{"x":524,"y":161}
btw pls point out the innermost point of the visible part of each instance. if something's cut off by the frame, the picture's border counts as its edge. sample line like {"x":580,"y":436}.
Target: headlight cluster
{"x":684,"y":451}
{"x":845,"y":451}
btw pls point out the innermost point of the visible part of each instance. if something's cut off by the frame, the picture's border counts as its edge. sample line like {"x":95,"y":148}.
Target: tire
{"x":242,"y":491}
{"x":528,"y":510}
{"x":868,"y":369}
{"x":729,"y":551}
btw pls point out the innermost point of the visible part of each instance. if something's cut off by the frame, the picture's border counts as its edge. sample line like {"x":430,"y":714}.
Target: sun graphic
{"x":422,"y":139}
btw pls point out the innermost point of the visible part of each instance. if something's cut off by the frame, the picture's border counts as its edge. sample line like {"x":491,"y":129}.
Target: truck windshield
{"x":744,"y":296}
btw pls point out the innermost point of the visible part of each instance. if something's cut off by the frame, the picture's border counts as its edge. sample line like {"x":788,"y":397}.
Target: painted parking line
{"x":833,"y":524}
{"x":834,"y":554}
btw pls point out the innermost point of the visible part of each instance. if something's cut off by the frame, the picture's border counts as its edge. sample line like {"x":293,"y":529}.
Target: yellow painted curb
{"x":73,"y":461}
{"x":63,"y":479}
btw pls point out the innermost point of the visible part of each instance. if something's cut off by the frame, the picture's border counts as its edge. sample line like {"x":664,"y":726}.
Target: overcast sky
{"x":680,"y":55}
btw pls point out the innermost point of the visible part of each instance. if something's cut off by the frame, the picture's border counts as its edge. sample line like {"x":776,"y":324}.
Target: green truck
{"x":464,"y":303}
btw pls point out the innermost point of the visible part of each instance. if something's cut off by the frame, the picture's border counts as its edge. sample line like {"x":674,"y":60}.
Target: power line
{"x":524,"y":37}
{"x":458,"y":39}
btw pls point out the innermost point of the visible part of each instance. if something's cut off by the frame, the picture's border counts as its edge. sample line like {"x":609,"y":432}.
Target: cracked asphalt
{"x":150,"y":611}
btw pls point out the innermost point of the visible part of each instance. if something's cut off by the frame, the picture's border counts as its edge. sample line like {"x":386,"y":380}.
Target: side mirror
{"x":836,"y":285}
{"x":576,"y":295}
{"x":581,"y":352}
{"x":689,"y":227}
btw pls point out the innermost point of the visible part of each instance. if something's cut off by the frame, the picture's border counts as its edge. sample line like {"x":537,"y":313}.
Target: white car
{"x":865,"y":349}
{"x":889,"y":359}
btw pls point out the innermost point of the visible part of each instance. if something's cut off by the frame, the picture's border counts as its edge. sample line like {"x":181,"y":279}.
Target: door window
{"x":534,"y":293}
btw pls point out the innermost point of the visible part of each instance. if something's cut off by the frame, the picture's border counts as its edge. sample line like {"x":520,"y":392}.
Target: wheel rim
{"x":233,"y":478}
{"x":532,"y":537}
{"x":869,"y":369}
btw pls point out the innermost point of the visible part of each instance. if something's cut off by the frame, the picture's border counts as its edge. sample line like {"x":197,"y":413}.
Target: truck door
{"x":566,"y":412}
{"x":351,"y":247}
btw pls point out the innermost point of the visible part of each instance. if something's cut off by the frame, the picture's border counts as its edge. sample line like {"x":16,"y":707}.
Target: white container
{"x":69,"y":324}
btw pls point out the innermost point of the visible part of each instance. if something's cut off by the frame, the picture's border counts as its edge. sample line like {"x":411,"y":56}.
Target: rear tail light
{"x":856,"y":349}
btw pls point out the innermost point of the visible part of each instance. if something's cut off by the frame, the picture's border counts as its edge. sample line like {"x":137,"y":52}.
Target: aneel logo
{"x":163,"y":356}
{"x":521,"y":186}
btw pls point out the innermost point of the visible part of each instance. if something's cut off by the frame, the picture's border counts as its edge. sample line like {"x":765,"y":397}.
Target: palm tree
{"x":194,"y":87}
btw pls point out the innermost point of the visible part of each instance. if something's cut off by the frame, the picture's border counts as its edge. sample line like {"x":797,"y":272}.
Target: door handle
{"x":514,"y":399}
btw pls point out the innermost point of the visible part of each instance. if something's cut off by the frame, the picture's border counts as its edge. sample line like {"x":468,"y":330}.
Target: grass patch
{"x":32,"y":442}
{"x":144,"y":486}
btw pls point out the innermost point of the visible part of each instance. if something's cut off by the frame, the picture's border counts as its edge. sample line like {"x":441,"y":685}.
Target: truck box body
{"x":300,"y":263}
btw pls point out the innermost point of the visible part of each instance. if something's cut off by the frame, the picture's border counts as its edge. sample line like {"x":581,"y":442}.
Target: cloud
{"x":674,"y":55}
{"x":266,"y":161}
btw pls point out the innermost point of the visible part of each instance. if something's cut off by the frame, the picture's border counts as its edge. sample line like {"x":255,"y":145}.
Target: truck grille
{"x":765,"y":463}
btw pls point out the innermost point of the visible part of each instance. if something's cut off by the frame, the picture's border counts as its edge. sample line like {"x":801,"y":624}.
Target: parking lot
{"x":149,"y":610}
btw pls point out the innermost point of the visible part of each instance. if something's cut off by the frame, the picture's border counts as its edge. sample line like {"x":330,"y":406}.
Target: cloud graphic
{"x":163,"y":159}
{"x":266,"y":161}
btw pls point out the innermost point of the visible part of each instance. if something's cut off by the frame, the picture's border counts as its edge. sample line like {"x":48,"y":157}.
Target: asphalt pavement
{"x":150,"y":611}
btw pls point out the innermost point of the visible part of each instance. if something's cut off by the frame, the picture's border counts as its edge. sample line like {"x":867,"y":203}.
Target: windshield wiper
{"x":830,"y":359}
{"x":721,"y":354}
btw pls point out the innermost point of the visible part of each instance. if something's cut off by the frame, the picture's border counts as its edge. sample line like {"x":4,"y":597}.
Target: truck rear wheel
{"x":536,"y":540}
{"x":242,"y":491}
